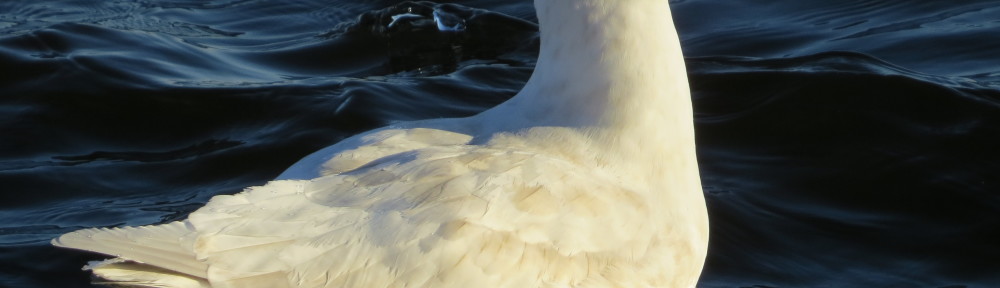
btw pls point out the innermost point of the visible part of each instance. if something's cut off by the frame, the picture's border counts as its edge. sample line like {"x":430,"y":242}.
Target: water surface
{"x":842,"y":144}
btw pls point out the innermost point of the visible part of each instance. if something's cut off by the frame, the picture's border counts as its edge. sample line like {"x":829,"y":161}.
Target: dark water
{"x":842,"y":143}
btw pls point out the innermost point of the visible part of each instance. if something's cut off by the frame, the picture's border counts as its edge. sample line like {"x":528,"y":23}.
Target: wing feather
{"x":161,"y":244}
{"x":437,"y":216}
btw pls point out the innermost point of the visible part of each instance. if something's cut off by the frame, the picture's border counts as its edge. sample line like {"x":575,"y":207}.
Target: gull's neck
{"x":612,"y":72}
{"x":613,"y":68}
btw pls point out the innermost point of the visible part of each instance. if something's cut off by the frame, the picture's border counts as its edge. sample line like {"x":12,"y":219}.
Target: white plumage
{"x":587,"y":178}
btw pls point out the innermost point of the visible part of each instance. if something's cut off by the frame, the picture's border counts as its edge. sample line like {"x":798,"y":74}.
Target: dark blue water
{"x":842,"y":143}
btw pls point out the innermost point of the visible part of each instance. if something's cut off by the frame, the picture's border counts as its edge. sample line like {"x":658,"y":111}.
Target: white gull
{"x":586,"y":178}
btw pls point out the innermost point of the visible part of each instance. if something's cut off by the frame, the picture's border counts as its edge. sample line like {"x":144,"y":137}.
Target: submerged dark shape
{"x":435,"y":38}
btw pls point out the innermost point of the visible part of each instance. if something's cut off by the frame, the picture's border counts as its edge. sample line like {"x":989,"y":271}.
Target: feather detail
{"x":161,"y":244}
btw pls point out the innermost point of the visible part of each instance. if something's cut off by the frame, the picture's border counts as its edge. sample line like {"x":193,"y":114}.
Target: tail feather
{"x":159,"y":246}
{"x":119,"y":273}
